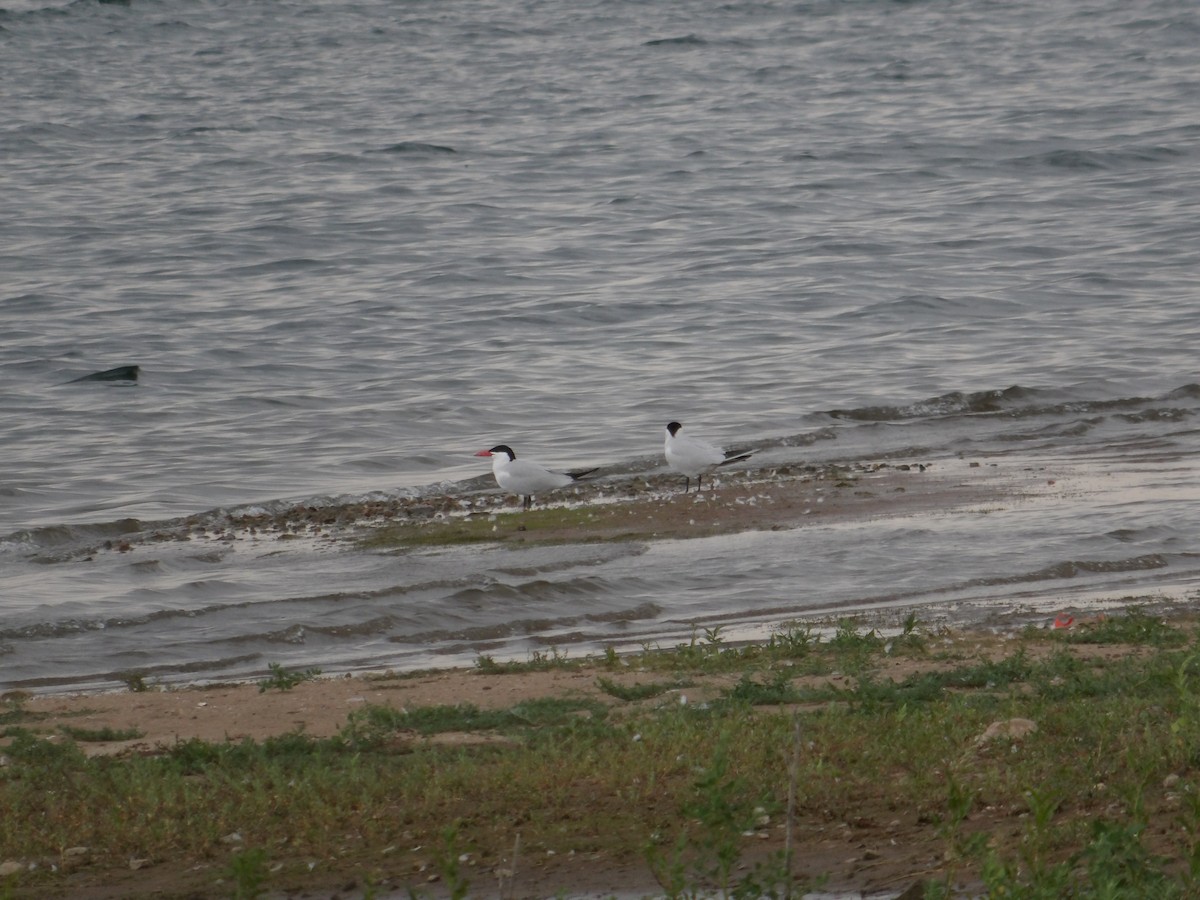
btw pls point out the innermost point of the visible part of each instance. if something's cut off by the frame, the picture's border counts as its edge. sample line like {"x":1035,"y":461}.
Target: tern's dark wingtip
{"x":733,"y":459}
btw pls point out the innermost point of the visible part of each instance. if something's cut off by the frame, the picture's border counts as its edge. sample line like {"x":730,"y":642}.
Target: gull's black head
{"x":504,"y":448}
{"x":673,"y":427}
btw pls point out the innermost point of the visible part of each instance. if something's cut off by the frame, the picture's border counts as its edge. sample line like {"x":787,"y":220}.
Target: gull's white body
{"x":524,"y":477}
{"x":692,"y":457}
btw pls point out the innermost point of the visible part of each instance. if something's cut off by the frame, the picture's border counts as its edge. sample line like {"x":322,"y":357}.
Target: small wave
{"x":79,"y":625}
{"x":71,"y":626}
{"x":69,"y":537}
{"x":605,"y":555}
{"x":193,"y":668}
{"x":486,"y":633}
{"x":687,"y":40}
{"x":1090,"y":160}
{"x":538,"y":589}
{"x":377,"y":625}
{"x":32,"y":7}
{"x":1157,"y":534}
{"x":210,"y":129}
{"x":915,"y":309}
{"x":416,"y":148}
{"x":645,"y":611}
{"x":534,"y":627}
{"x":1187,"y":391}
{"x":1017,"y":402}
{"x":293,"y":264}
{"x":299,"y":634}
{"x":1076,"y":428}
{"x":1074,"y":568}
{"x":1067,"y":159}
{"x":1157,"y":414}
{"x":953,"y":403}
{"x":293,"y":634}
{"x":203,"y":665}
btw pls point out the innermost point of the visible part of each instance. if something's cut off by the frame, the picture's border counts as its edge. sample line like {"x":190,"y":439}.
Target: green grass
{"x":709,"y":654}
{"x":635,"y":692}
{"x":429,"y":534}
{"x":1135,"y":626}
{"x":538,"y":661}
{"x":282,"y":680}
{"x":376,"y":722}
{"x":100,"y":734}
{"x":1102,"y":800}
{"x":135,"y":681}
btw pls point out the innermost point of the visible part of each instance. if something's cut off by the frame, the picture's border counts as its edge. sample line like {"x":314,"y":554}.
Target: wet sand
{"x":620,"y":506}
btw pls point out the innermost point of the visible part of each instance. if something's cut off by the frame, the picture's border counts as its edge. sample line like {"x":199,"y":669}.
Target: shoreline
{"x":627,"y":512}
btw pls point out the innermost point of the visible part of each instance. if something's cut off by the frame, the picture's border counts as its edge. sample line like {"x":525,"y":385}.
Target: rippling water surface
{"x":350,"y":243}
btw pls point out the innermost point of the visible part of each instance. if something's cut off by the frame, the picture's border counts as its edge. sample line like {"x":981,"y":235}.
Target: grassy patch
{"x":476,"y":530}
{"x":13,"y":711}
{"x":538,"y":661}
{"x":375,"y":722}
{"x":135,"y":682}
{"x":634,"y":692}
{"x":707,"y":652}
{"x":741,"y":796}
{"x":282,"y":680}
{"x":1135,"y":627}
{"x":100,"y":734}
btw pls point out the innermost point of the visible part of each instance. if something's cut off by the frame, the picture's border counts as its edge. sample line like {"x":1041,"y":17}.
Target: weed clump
{"x":282,"y":680}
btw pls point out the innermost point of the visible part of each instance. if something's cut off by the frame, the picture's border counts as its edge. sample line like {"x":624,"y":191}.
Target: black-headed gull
{"x":691,"y":457}
{"x":524,"y":477}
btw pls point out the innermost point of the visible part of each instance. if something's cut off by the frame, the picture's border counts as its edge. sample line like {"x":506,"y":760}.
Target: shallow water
{"x":351,"y":244}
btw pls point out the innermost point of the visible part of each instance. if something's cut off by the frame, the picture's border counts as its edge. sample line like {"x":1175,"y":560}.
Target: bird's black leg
{"x":699,"y":483}
{"x":528,"y":501}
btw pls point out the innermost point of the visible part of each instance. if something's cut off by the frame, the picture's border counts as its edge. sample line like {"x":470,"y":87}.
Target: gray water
{"x":351,"y":243}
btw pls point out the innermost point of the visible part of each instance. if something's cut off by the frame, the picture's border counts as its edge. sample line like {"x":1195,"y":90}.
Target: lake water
{"x":351,"y":243}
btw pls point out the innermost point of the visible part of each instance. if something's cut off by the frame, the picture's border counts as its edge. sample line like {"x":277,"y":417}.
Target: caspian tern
{"x":691,"y":457}
{"x":524,"y":477}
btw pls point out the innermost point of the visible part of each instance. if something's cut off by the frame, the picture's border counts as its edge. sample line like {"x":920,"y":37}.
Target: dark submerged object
{"x":120,"y":373}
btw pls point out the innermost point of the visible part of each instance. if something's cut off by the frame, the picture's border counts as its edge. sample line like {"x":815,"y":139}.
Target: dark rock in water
{"x":120,"y":373}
